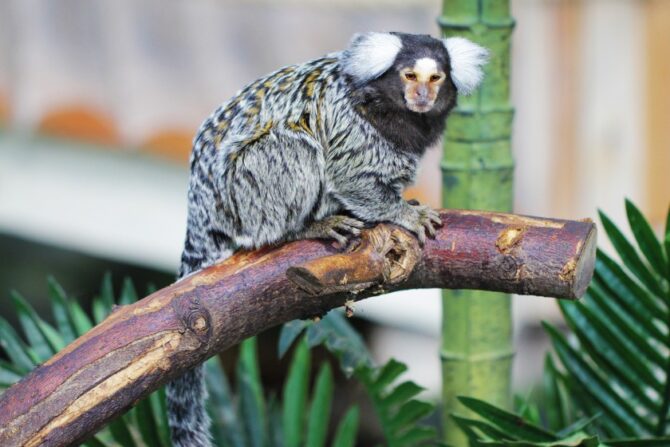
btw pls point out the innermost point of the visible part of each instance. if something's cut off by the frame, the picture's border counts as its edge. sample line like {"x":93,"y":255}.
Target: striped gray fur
{"x":292,"y":152}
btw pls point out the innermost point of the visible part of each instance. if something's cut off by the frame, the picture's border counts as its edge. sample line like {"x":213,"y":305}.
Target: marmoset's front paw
{"x":423,"y":220}
{"x":340,"y":228}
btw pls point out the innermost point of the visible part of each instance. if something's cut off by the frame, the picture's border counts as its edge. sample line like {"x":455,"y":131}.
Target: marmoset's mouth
{"x":420,"y":106}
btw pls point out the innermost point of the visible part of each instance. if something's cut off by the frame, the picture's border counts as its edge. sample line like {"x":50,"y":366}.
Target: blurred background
{"x":100,"y":99}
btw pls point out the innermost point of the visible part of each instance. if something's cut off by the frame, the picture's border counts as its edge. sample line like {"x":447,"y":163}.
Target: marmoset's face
{"x":419,"y":78}
{"x":422,"y":82}
{"x":420,"y":75}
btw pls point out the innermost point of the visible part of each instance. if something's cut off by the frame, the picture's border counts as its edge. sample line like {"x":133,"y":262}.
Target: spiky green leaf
{"x":408,"y":414}
{"x":415,"y":436}
{"x":289,"y":333}
{"x":100,"y":311}
{"x":61,"y":311}
{"x":319,"y":413}
{"x":612,"y":352}
{"x":15,"y":348}
{"x":107,"y":291}
{"x":121,"y":433}
{"x":295,"y":396}
{"x":597,"y":387}
{"x":94,"y":442}
{"x":345,"y":343}
{"x":252,"y":402}
{"x":81,"y":321}
{"x":43,"y":338}
{"x":577,"y":427}
{"x":508,"y":422}
{"x":577,"y":440}
{"x":488,"y":431}
{"x":387,"y":374}
{"x":401,"y":393}
{"x":345,"y":436}
{"x":655,"y":442}
{"x":616,"y":281}
{"x":646,"y":239}
{"x":146,"y":423}
{"x":226,"y":427}
{"x":629,"y":255}
{"x":36,"y":339}
{"x":275,"y":429}
{"x":557,"y":408}
{"x":8,"y":374}
{"x":128,"y":293}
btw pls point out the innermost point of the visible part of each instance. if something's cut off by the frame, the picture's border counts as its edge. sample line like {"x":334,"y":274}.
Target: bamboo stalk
{"x":477,"y":171}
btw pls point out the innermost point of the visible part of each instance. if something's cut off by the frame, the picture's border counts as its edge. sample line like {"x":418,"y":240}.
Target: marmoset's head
{"x":416,"y":72}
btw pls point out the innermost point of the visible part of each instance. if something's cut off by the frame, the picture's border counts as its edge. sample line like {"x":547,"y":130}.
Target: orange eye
{"x":410,"y":76}
{"x":435,"y":78}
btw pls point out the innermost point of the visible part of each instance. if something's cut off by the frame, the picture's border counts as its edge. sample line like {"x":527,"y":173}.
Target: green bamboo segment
{"x":477,"y":170}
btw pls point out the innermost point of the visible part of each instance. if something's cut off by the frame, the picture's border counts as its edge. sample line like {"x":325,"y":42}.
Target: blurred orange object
{"x":4,"y":108}
{"x":174,"y":145}
{"x":81,"y":122}
{"x":421,"y":194}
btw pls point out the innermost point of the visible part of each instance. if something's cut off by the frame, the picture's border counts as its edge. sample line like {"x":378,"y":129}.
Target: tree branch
{"x":141,"y":346}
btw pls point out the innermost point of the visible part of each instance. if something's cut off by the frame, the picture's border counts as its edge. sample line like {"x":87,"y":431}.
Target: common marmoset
{"x":314,"y":151}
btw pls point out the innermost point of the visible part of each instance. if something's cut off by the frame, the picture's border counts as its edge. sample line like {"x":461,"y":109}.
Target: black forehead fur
{"x":417,"y":46}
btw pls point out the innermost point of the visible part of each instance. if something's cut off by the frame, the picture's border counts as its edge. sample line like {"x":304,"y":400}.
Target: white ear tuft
{"x":467,"y":59}
{"x":369,"y":55}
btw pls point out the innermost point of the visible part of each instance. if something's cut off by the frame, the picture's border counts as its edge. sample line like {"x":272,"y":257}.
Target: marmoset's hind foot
{"x":340,"y":228}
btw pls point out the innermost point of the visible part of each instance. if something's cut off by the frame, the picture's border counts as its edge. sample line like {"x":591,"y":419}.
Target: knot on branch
{"x":384,"y":255}
{"x":510,"y":238}
{"x":194,"y":316}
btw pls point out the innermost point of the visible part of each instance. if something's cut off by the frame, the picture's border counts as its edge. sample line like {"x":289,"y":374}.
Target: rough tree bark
{"x":141,"y":346}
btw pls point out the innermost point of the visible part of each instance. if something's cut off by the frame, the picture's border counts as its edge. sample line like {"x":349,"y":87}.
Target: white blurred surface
{"x":109,"y":204}
{"x":158,"y":65}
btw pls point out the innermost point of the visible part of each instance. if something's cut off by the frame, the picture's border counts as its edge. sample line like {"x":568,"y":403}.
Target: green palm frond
{"x":615,"y":375}
{"x":247,"y":417}
{"x":144,"y":425}
{"x":244,"y":417}
{"x":397,"y":410}
{"x":620,"y":358}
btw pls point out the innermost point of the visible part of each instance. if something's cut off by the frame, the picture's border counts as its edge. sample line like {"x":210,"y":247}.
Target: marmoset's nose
{"x":422,"y":91}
